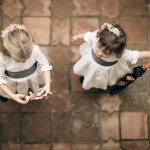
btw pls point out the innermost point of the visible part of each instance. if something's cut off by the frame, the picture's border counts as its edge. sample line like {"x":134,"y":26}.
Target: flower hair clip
{"x":11,"y":28}
{"x":111,"y":28}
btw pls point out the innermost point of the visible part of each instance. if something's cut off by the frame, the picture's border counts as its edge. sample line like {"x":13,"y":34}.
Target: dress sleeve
{"x":89,"y":37}
{"x":2,"y":72}
{"x":41,"y":59}
{"x":131,"y":56}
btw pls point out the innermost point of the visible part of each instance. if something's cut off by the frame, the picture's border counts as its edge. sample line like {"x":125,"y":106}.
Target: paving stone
{"x":148,"y":124}
{"x":148,"y":148}
{"x":39,"y":28}
{"x":85,"y":127}
{"x":75,"y":55}
{"x":60,"y":79}
{"x":32,"y":8}
{"x":59,"y":55}
{"x":10,"y":128}
{"x":9,"y":106}
{"x":58,"y":103}
{"x":109,"y":20}
{"x":0,"y":20}
{"x":7,"y":21}
{"x":108,"y":11}
{"x":148,"y":102}
{"x":85,"y":146}
{"x":36,"y":106}
{"x":135,"y":145}
{"x":109,"y":126}
{"x":61,"y":146}
{"x":134,"y":125}
{"x":148,"y":9}
{"x":61,"y":127}
{"x":11,"y":8}
{"x":81,"y":102}
{"x":10,"y":146}
{"x":86,"y":8}
{"x":76,"y":86}
{"x":110,"y":103}
{"x":132,"y":25}
{"x":134,"y":8}
{"x":111,"y":145}
{"x":61,"y":8}
{"x":35,"y":147}
{"x":74,"y":118}
{"x":37,"y":130}
{"x":133,"y":101}
{"x":82,"y":25}
{"x":140,"y":47}
{"x":60,"y":31}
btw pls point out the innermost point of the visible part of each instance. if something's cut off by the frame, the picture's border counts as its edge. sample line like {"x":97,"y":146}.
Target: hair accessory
{"x":11,"y":28}
{"x":111,"y":28}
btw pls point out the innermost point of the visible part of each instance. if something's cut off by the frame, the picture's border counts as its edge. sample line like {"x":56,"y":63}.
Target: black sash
{"x":22,"y":74}
{"x":101,"y":61}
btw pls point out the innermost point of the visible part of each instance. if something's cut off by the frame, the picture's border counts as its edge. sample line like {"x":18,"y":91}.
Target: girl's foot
{"x":81,"y":79}
{"x":3,"y":99}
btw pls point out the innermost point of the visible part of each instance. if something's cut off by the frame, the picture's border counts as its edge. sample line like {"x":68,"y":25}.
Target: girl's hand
{"x":19,"y":98}
{"x":46,"y":89}
{"x":77,"y":37}
{"x":74,"y":38}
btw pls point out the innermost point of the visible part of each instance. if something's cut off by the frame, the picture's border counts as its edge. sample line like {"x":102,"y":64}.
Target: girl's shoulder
{"x":36,"y":51}
{"x":35,"y":48}
{"x":130,"y":55}
{"x":128,"y":52}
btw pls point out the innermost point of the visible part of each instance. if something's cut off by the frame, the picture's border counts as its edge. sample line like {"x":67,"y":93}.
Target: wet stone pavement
{"x":75,"y":119}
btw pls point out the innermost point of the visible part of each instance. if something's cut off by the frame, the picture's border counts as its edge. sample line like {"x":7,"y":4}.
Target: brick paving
{"x":75,"y":119}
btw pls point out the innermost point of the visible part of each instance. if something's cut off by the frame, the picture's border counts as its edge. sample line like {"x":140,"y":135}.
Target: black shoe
{"x":81,"y":79}
{"x":3,"y":99}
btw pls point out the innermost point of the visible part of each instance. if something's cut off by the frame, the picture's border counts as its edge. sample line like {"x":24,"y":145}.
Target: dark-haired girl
{"x":104,"y":56}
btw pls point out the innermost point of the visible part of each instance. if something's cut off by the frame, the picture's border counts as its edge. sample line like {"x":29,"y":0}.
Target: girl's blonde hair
{"x":17,"y":42}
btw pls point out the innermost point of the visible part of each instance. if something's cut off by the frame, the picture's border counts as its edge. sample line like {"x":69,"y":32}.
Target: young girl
{"x":21,"y":65}
{"x":104,"y":57}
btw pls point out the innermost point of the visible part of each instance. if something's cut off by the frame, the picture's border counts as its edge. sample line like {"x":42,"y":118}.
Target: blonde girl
{"x":22,"y":65}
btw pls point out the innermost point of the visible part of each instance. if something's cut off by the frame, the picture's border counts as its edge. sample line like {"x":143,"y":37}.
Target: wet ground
{"x":75,"y":119}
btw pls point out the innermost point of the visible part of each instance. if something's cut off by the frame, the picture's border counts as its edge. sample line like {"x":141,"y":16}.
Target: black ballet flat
{"x":3,"y":99}
{"x":81,"y":79}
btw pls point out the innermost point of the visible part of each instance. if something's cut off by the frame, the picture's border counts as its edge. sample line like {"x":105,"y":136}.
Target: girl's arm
{"x":88,"y":37}
{"x":45,"y":67}
{"x":3,"y":86}
{"x":77,"y":37}
{"x":47,"y":80}
{"x":17,"y":97}
{"x":144,"y":54}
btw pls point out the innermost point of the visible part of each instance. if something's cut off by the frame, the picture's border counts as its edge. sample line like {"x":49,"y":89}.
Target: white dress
{"x":21,"y":85}
{"x":96,"y":75}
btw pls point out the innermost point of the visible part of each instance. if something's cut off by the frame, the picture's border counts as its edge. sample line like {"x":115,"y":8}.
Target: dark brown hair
{"x":111,"y":42}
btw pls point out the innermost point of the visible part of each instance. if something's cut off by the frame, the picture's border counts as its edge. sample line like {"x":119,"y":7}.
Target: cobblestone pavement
{"x":75,"y":119}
